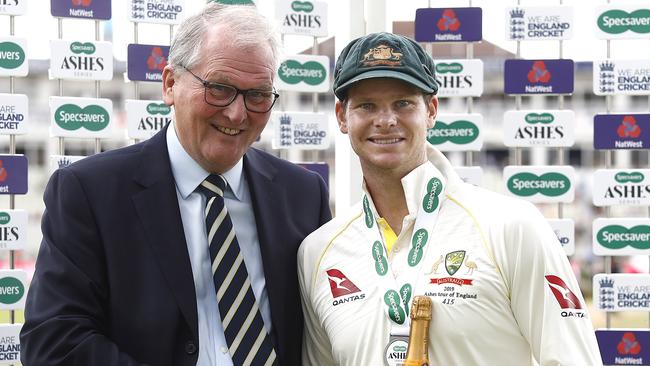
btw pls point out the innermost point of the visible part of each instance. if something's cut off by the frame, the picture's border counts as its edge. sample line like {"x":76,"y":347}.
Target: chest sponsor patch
{"x":343,"y":289}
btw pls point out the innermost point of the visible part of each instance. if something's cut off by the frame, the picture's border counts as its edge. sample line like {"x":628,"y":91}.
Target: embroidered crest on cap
{"x":382,"y":55}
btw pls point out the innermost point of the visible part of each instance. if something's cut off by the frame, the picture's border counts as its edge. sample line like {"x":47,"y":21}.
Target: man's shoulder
{"x":108,"y":163}
{"x":259,"y":156}
{"x":318,"y":241}
{"x":487,"y":205}
{"x":285,"y":170}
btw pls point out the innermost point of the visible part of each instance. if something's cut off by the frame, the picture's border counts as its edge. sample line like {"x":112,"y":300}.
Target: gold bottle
{"x":418,"y":350}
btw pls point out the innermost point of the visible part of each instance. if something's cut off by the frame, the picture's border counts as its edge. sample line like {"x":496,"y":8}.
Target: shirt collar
{"x":414,"y":182}
{"x":188,"y":174}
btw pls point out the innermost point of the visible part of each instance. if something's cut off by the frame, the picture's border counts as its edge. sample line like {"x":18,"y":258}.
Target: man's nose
{"x":385,"y":118}
{"x":236,"y":111}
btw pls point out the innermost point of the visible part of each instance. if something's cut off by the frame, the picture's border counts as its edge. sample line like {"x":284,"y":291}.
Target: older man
{"x":181,"y":250}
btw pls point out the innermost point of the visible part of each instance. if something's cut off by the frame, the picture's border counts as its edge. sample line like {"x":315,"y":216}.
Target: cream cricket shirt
{"x":502,"y":288}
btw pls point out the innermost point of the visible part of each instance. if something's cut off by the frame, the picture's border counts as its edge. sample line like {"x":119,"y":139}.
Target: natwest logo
{"x":156,"y":60}
{"x":84,"y":3}
{"x":628,"y":345}
{"x":538,"y":73}
{"x":3,"y":172}
{"x":448,"y":21}
{"x":340,"y":284}
{"x":628,"y":128}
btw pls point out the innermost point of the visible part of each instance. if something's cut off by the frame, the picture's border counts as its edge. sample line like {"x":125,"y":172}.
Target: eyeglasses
{"x":222,"y":95}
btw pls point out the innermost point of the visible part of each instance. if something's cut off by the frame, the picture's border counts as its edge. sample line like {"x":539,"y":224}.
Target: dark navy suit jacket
{"x":113,"y":283}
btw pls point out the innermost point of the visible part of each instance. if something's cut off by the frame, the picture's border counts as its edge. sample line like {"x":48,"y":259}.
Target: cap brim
{"x":340,"y":91}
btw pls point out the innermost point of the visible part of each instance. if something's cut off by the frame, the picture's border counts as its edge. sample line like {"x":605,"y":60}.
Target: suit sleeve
{"x":325,"y":212}
{"x":65,"y":312}
{"x":316,"y":348}
{"x":535,"y":267}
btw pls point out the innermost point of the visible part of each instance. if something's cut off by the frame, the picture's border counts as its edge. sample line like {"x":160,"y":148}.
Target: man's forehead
{"x":382,"y":87}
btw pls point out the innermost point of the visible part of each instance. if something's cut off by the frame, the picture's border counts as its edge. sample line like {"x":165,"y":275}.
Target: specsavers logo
{"x":11,"y":55}
{"x":452,"y":68}
{"x":381,"y":264}
{"x":398,"y":305}
{"x":293,"y":72}
{"x":417,"y":247}
{"x":11,"y":290}
{"x":548,"y":184}
{"x":81,"y":48}
{"x":458,"y":132}
{"x":305,"y":6}
{"x":155,"y":108}
{"x":543,"y":118}
{"x":618,"y":237}
{"x":431,"y":198}
{"x":72,"y":117}
{"x":5,"y":218}
{"x":368,"y":216}
{"x":633,"y":177}
{"x":619,"y":21}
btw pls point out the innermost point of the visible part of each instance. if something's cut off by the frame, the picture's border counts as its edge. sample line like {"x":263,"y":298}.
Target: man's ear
{"x":340,"y":116}
{"x":168,"y":81}
{"x":432,"y":107}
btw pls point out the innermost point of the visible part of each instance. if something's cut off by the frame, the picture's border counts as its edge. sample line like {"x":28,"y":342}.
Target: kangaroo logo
{"x":340,"y":284}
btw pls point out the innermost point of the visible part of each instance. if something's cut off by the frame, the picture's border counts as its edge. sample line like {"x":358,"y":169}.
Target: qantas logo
{"x":340,"y":284}
{"x":565,"y":297}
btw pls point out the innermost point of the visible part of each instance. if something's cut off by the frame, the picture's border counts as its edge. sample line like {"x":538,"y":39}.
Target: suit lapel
{"x":159,"y":213}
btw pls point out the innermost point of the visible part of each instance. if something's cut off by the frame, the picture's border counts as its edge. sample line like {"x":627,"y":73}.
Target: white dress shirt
{"x":188,"y":174}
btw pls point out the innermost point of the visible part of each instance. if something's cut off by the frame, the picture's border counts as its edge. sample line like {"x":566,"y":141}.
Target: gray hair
{"x":247,"y":29}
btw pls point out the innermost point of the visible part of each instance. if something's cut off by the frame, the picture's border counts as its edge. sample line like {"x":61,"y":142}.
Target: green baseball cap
{"x":384,"y":55}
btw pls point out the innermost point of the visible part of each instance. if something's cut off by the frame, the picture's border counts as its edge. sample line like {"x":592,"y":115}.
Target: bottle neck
{"x":418,"y":350}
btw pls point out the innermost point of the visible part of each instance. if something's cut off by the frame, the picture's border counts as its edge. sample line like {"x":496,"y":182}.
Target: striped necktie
{"x":248,"y":341}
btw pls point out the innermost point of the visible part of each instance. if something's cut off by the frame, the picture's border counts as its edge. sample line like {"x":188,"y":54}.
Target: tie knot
{"x":213,"y":185}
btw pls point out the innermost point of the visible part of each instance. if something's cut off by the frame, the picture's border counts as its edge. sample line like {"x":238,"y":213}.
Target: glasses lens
{"x":259,"y":100}
{"x":219,"y":94}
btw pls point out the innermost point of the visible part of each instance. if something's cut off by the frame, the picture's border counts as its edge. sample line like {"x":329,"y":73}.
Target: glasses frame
{"x":208,"y":84}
